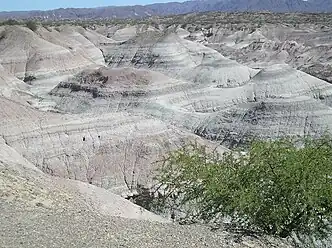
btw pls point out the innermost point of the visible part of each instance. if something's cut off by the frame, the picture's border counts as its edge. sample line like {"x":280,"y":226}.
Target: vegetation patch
{"x":29,"y":79}
{"x":281,"y":188}
{"x":10,"y":22}
{"x":32,"y":25}
{"x":2,"y":35}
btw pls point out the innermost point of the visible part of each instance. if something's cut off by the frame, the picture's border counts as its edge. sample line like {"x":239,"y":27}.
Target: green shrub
{"x":277,"y":187}
{"x":31,"y":25}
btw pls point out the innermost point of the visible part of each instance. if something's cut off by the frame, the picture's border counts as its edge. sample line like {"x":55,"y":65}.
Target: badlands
{"x":87,"y":110}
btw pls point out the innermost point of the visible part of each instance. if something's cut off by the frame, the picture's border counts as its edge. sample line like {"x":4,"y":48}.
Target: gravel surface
{"x":22,"y":226}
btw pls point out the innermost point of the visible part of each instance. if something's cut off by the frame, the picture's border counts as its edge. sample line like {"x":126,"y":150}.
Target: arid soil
{"x":85,"y":113}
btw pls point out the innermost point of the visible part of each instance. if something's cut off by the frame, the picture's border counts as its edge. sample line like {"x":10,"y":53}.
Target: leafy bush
{"x":31,"y":25}
{"x":277,"y":187}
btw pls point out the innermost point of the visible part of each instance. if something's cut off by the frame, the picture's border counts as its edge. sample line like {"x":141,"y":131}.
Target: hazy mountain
{"x":266,"y":5}
{"x":322,"y":5}
{"x":139,"y":11}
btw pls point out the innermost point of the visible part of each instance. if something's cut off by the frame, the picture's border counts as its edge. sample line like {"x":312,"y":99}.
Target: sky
{"x":11,"y":5}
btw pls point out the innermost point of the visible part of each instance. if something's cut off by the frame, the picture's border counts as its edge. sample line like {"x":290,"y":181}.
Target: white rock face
{"x":124,"y":34}
{"x":113,"y":151}
{"x":279,"y":81}
{"x":21,"y":182}
{"x":86,"y":113}
{"x":25,"y":53}
{"x":186,"y":60}
{"x":10,"y":86}
{"x":107,"y":125}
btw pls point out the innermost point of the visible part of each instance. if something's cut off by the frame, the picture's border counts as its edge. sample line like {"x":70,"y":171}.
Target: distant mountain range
{"x":160,"y":9}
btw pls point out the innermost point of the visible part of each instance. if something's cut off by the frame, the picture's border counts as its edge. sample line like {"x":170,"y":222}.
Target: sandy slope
{"x":305,"y":46}
{"x":10,"y":85}
{"x":45,"y":54}
{"x":40,"y":227}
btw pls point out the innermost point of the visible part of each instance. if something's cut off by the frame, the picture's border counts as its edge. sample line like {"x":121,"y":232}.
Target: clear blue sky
{"x":10,"y":5}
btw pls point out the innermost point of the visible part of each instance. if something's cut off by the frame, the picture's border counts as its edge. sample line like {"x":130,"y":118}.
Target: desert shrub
{"x":281,"y":187}
{"x":48,"y":28}
{"x":29,"y":79}
{"x":32,"y":25}
{"x":10,"y":22}
{"x":2,"y":35}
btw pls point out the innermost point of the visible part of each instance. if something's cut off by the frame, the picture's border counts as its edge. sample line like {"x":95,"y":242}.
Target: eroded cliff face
{"x":86,"y":113}
{"x":101,"y":104}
